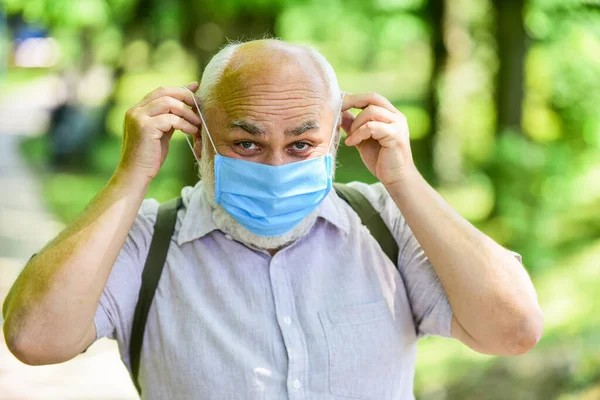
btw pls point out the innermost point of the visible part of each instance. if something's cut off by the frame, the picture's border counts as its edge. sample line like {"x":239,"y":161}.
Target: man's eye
{"x":246,"y":145}
{"x":300,"y":146}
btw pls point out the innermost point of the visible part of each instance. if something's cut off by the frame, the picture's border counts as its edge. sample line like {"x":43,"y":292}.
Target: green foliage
{"x":13,"y":79}
{"x":533,"y":188}
{"x":565,"y":361}
{"x":69,"y":191}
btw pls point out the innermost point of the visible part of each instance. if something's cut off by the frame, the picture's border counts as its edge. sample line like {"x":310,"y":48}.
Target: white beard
{"x":228,"y":225}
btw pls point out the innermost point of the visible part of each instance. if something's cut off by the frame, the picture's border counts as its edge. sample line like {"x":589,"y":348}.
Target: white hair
{"x":213,"y":73}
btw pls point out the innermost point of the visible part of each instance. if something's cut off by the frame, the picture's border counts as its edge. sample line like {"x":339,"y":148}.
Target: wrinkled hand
{"x":150,"y":124}
{"x":380,"y":132}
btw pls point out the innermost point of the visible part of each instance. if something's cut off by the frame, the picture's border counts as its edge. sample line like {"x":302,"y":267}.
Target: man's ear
{"x":198,"y":143}
{"x":347,"y":120}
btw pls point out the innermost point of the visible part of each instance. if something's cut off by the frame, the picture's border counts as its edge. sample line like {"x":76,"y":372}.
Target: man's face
{"x":271,"y":110}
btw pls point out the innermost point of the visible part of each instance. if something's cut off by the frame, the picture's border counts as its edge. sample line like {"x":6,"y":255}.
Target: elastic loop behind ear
{"x":337,"y":119}
{"x":203,"y":122}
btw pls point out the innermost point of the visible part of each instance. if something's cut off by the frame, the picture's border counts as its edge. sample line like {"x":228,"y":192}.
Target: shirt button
{"x":228,"y":237}
{"x":296,"y":384}
{"x":287,"y":320}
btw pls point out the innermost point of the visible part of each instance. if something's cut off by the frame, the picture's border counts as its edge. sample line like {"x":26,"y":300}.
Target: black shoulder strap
{"x":161,"y":239}
{"x":370,"y":218}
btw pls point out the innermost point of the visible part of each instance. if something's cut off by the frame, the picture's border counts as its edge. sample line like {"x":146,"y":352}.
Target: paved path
{"x":25,"y":226}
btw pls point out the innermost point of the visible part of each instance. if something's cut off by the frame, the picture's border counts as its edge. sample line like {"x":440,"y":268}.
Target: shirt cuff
{"x":439,"y":322}
{"x":102,"y":323}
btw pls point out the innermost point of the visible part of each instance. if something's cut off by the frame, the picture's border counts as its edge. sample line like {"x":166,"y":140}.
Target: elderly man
{"x":272,"y":287}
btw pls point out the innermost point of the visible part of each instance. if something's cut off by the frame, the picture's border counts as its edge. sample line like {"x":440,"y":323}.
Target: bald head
{"x":239,"y":66}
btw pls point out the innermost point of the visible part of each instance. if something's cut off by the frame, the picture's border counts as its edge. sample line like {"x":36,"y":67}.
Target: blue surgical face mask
{"x":270,"y":200}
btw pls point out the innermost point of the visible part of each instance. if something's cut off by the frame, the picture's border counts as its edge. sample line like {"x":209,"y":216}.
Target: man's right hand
{"x":149,"y":126}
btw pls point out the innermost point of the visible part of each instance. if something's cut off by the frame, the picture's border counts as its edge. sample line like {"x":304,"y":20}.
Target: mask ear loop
{"x":337,"y":119}
{"x":203,"y":124}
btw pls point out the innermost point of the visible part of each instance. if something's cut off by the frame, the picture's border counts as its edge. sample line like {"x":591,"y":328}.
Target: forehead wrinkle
{"x":236,"y":89}
{"x":282,"y":105}
{"x":247,"y":97}
{"x":266,"y":116}
{"x":270,"y":114}
{"x":254,"y":87}
{"x":269,"y":108}
{"x":256,"y":78}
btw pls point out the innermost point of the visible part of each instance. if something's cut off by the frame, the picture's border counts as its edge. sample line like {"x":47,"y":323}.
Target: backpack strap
{"x":370,"y":218}
{"x":157,"y":255}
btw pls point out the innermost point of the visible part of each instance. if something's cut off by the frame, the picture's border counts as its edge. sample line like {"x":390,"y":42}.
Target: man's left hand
{"x":380,"y":132}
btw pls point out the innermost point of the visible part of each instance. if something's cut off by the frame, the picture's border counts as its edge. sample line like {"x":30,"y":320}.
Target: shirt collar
{"x":332,"y":210}
{"x":198,"y":220}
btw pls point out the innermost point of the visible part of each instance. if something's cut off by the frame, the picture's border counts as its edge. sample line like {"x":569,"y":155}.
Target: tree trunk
{"x":510,"y":36}
{"x":423,"y":149}
{"x":511,"y":53}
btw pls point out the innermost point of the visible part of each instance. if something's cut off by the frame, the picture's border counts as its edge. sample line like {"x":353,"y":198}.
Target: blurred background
{"x":503,"y":102}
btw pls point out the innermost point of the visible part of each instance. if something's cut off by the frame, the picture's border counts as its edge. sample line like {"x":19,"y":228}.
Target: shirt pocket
{"x":364,"y":346}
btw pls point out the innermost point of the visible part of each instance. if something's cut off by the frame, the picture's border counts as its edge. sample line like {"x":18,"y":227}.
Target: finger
{"x":363,"y":100}
{"x":193,"y":86}
{"x":166,"y":104}
{"x":347,"y":119}
{"x":178,"y":93}
{"x":166,"y":122}
{"x":372,"y":129}
{"x":166,"y":137}
{"x":372,"y":113}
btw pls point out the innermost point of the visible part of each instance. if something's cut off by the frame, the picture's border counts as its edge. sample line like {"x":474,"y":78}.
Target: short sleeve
{"x":114,"y":315}
{"x":430,"y":307}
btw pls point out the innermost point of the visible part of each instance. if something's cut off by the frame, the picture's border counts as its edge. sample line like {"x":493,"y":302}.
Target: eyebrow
{"x":307,"y":126}
{"x":258,"y":131}
{"x":248,"y":127}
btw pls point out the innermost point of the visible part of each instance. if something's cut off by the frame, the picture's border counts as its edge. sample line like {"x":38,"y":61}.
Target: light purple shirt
{"x":329,"y":317}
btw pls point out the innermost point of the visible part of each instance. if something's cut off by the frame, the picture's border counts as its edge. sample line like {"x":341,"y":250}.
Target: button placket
{"x":285,"y":310}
